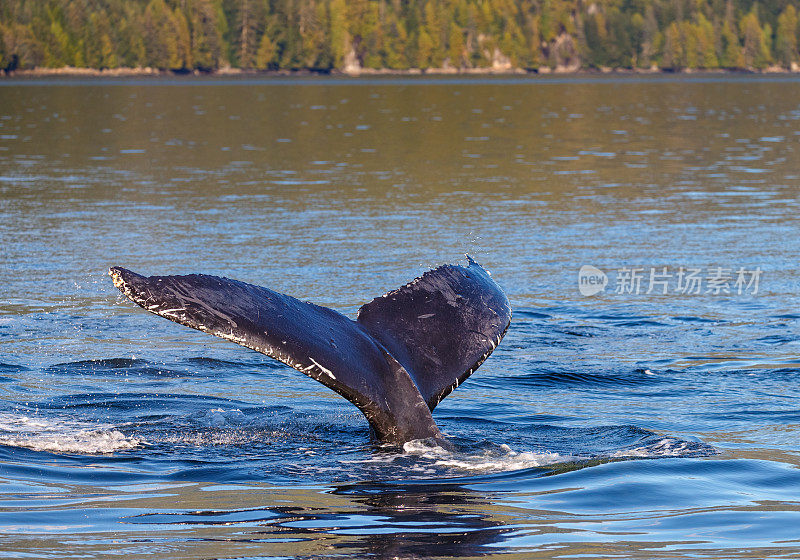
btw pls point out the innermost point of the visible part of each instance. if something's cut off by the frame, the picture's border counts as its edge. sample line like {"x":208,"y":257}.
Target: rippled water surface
{"x":659,"y":418}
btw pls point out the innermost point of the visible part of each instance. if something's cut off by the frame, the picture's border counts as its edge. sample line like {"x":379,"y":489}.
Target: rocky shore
{"x":69,"y":71}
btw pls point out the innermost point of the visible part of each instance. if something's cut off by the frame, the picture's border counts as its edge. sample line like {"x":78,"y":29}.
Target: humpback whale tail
{"x":404,"y":353}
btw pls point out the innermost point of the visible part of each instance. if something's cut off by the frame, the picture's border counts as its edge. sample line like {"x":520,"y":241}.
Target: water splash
{"x":63,"y":436}
{"x":489,"y":459}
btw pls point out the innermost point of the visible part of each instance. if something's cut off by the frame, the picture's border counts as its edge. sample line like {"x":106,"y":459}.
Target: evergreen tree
{"x":673,"y":58}
{"x":23,"y":49}
{"x":99,"y":47}
{"x":161,"y":37}
{"x":786,"y":36}
{"x":548,"y":25}
{"x":689,"y":44}
{"x":183,"y":39}
{"x":756,"y":54}
{"x":731,"y":53}
{"x":247,"y":23}
{"x":60,"y":50}
{"x":132,"y":51}
{"x":534,"y":41}
{"x":455,"y":46}
{"x":596,"y":38}
{"x":267,"y":53}
{"x":313,"y":39}
{"x":339,"y":37}
{"x":705,"y":45}
{"x":4,"y":61}
{"x":367,"y":32}
{"x":207,"y":31}
{"x":425,"y":49}
{"x":435,"y":30}
{"x":620,"y":41}
{"x":396,"y":43}
{"x":650,"y":36}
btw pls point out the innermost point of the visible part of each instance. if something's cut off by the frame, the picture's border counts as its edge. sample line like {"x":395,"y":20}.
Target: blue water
{"x":619,"y":424}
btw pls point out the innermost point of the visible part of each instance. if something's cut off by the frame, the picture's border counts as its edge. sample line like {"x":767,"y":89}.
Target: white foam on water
{"x":500,"y":459}
{"x":665,"y":447}
{"x":214,"y":437}
{"x":63,"y":436}
{"x":221,"y":418}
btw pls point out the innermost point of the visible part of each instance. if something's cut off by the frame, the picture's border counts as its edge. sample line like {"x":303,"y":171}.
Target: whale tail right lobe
{"x":441,"y":326}
{"x":407,"y":350}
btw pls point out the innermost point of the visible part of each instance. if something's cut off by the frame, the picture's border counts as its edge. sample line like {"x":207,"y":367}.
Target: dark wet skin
{"x":404,"y":353}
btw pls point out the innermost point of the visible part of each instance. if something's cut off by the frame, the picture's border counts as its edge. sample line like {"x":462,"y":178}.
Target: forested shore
{"x":353,"y":36}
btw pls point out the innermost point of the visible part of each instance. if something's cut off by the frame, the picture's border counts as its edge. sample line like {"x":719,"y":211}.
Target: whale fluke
{"x":405,"y":352}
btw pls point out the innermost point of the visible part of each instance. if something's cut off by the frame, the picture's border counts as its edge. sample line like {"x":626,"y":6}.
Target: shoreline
{"x":370,"y":72}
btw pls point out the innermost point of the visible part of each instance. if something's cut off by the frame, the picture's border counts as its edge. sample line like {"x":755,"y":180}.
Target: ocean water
{"x":645,"y":402}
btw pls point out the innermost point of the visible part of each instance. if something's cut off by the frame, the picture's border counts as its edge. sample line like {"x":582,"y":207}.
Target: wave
{"x":216,"y":364}
{"x":525,"y":313}
{"x":115,"y":367}
{"x":11,"y":368}
{"x":136,"y":367}
{"x":549,"y":378}
{"x":137,"y":401}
